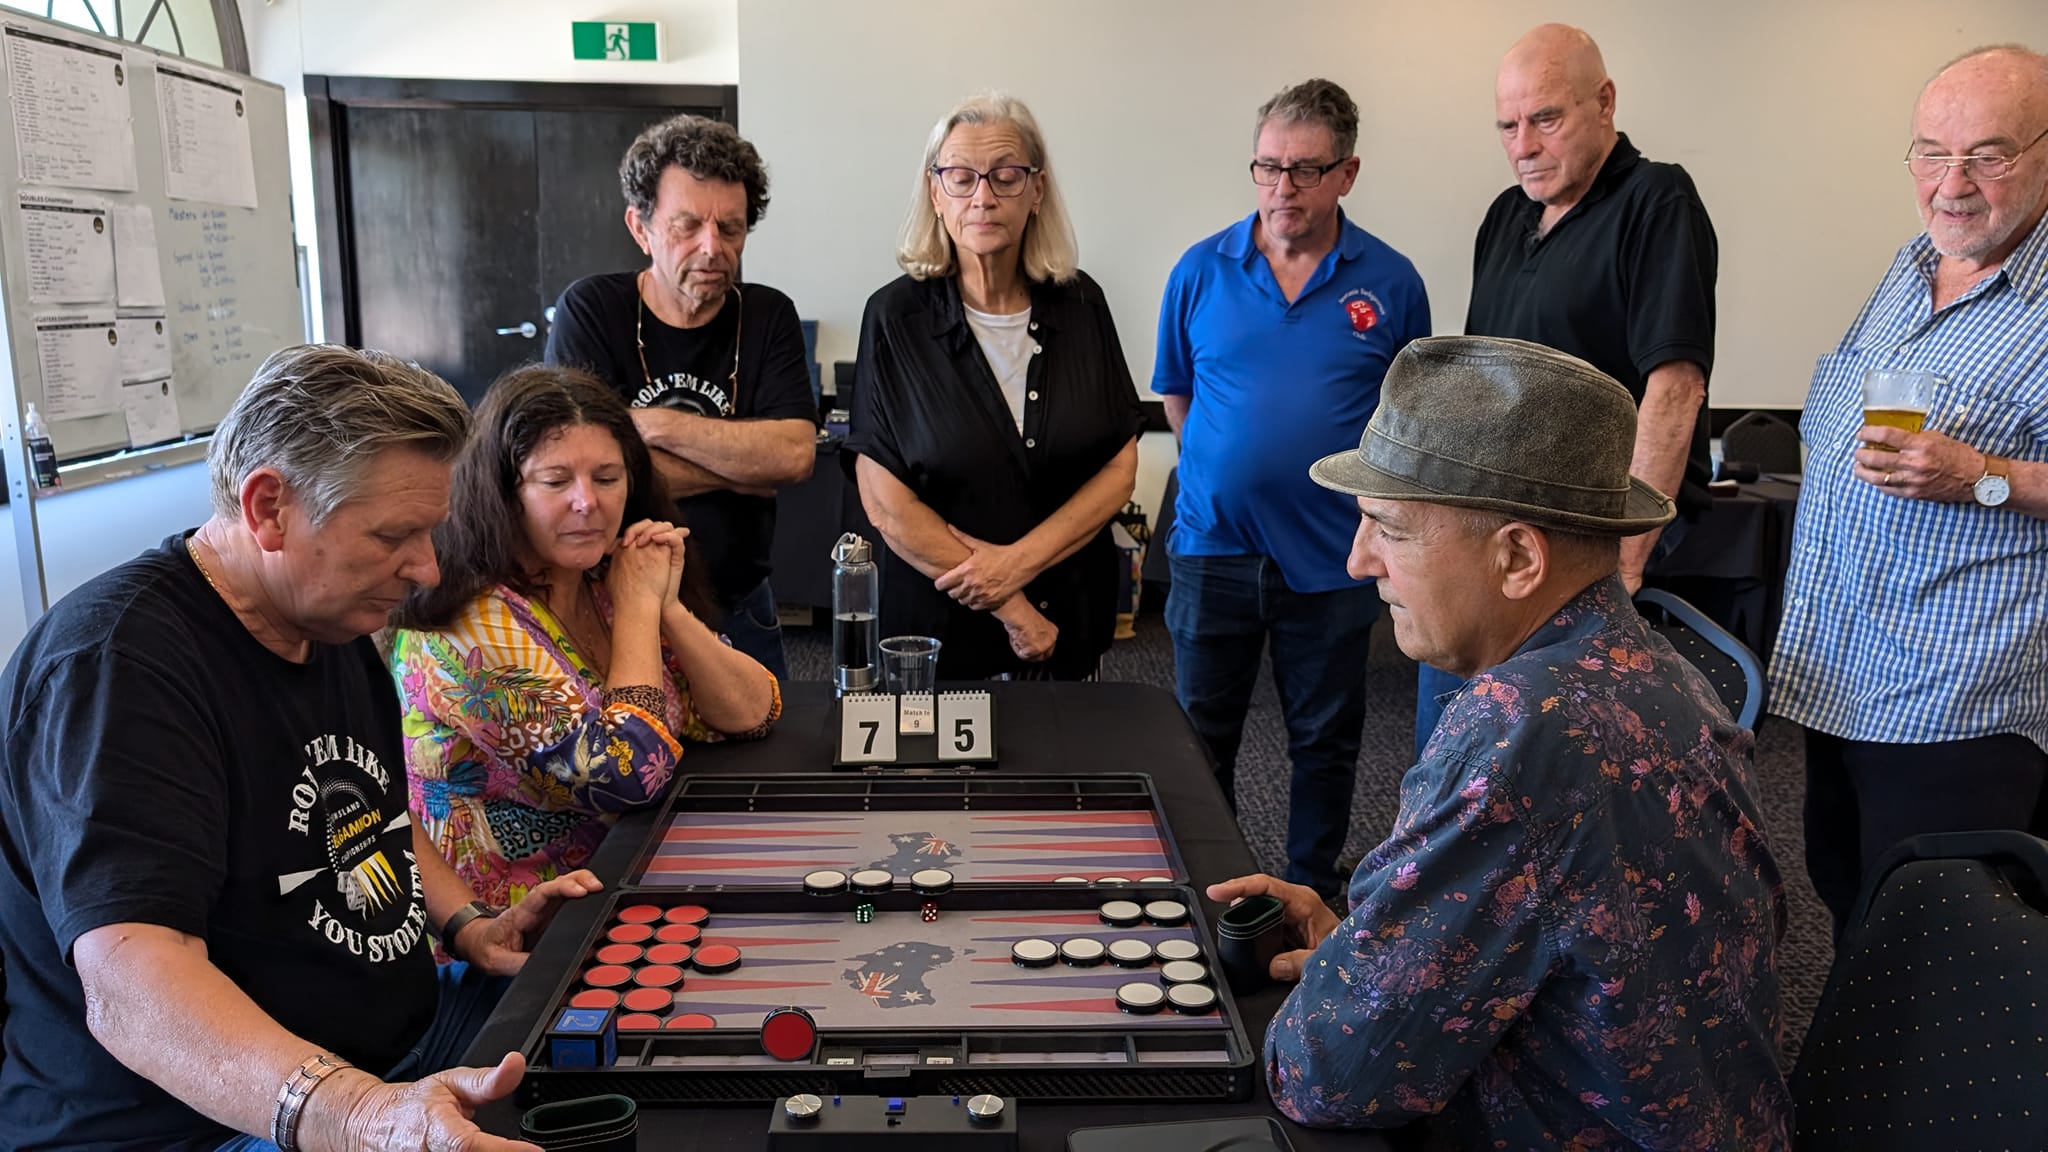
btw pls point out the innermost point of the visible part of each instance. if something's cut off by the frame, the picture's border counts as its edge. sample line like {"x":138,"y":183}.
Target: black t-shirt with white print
{"x":160,"y":766}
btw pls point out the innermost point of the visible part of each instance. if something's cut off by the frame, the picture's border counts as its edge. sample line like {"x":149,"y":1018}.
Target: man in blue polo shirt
{"x":1273,"y":336}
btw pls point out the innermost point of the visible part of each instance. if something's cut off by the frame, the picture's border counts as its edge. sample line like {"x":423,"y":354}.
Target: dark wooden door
{"x":462,"y":209}
{"x":447,"y":238}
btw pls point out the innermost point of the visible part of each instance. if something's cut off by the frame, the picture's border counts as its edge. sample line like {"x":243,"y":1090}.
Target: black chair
{"x":1735,"y":672}
{"x":1933,"y":1029}
{"x":1764,"y":440}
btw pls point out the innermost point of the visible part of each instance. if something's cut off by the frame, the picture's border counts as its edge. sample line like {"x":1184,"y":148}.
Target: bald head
{"x":2007,"y":74}
{"x":1992,"y":102}
{"x":1560,"y":52}
{"x":1554,"y":107}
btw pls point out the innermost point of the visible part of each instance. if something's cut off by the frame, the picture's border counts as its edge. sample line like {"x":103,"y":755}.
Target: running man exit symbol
{"x":599,"y":40}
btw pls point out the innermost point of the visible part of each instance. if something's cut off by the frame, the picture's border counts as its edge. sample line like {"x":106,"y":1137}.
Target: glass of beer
{"x":1897,"y":398}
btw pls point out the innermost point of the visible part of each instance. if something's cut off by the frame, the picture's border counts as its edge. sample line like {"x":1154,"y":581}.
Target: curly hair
{"x":707,"y":149}
{"x":477,"y":545}
{"x":1314,"y":102}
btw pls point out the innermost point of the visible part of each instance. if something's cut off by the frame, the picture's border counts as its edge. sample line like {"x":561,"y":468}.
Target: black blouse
{"x":928,"y":408}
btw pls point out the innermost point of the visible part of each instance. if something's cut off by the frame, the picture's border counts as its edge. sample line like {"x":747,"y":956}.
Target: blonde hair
{"x":925,"y":250}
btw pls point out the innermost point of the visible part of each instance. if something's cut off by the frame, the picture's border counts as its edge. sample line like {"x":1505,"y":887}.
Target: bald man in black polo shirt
{"x":1607,"y":256}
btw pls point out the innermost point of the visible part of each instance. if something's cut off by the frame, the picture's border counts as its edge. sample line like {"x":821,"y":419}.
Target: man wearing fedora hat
{"x":1568,"y":936}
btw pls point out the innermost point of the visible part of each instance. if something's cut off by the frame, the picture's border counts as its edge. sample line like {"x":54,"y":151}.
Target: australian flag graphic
{"x":916,"y":851}
{"x":894,"y":977}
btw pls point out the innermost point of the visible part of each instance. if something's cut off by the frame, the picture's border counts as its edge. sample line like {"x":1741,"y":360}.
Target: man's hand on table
{"x":435,"y":1114}
{"x":1308,"y":919}
{"x":499,"y":944}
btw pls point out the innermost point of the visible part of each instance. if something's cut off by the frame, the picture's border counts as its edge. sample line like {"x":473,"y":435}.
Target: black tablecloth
{"x":1731,"y":564}
{"x":1056,"y":729}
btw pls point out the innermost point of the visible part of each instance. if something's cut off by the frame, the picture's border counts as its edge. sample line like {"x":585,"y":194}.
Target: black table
{"x":1732,"y":564}
{"x":1044,"y":728}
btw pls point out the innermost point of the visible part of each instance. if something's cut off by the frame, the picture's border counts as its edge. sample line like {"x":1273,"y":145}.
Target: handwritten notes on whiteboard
{"x":204,"y":124}
{"x":73,"y":122}
{"x":207,"y":340}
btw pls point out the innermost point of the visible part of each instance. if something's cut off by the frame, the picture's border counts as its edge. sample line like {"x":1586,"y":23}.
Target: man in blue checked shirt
{"x":1914,"y":647}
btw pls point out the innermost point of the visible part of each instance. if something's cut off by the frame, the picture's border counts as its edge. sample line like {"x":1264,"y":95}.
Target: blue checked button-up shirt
{"x":1569,"y":938}
{"x":1908,"y":621}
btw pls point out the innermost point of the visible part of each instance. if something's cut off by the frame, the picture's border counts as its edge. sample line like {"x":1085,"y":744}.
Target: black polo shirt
{"x":1624,"y":281}
{"x":929,"y":410}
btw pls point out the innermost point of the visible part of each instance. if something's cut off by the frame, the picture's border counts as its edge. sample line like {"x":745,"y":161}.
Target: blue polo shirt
{"x":1277,"y":386}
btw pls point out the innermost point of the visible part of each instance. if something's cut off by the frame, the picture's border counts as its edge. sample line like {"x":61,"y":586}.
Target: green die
{"x":863,"y":913}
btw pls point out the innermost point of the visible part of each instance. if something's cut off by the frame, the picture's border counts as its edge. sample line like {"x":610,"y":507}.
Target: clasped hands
{"x":992,"y":579}
{"x":647,"y":564}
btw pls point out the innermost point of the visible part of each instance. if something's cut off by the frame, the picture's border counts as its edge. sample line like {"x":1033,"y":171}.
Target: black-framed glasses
{"x":1007,"y":180}
{"x":1304,"y":175}
{"x":1979,"y":166}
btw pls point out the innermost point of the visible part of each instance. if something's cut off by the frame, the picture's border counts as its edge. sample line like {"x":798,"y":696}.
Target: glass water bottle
{"x":855,"y":590}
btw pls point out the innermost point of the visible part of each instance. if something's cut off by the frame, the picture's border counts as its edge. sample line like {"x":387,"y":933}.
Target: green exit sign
{"x":598,"y":40}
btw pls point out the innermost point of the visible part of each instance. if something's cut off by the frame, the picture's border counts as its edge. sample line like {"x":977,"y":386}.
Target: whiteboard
{"x":229,"y":273}
{"x":1792,"y":118}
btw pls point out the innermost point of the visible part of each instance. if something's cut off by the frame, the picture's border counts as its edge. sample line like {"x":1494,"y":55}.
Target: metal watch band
{"x":474,"y":910}
{"x":291,"y":1097}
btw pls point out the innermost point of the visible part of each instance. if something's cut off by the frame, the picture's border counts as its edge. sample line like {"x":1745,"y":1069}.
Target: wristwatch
{"x":1995,"y":486}
{"x":474,"y":910}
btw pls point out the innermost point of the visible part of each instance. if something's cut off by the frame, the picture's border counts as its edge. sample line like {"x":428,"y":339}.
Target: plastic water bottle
{"x":41,"y":453}
{"x":855,"y":592}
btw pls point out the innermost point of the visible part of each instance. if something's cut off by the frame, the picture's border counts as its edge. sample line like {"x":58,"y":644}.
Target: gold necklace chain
{"x":192,"y":550}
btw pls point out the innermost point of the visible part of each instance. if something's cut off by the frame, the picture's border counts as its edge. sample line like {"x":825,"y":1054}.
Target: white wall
{"x":1791,"y":117}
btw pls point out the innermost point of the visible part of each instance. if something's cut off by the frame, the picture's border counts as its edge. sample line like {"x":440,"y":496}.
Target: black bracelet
{"x":474,"y":910}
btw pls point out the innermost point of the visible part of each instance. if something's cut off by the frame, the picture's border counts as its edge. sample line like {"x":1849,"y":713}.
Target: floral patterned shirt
{"x":518,"y":760}
{"x":1568,"y":939}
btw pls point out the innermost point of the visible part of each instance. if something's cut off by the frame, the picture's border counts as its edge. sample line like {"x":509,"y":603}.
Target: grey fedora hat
{"x":1504,"y":425}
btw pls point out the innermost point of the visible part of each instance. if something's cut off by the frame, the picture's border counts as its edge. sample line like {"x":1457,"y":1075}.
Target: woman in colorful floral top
{"x":549,"y":678}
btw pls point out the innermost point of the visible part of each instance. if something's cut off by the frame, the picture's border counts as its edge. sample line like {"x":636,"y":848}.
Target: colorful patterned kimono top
{"x":1568,"y":939}
{"x":519,"y":760}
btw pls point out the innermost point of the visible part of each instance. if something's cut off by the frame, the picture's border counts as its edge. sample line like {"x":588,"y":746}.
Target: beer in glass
{"x":1897,"y":398}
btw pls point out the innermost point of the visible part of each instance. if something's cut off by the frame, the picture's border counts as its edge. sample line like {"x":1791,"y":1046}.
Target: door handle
{"x":524,"y":328}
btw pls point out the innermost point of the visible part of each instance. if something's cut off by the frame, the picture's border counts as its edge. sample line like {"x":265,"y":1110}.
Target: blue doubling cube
{"x":584,"y":1038}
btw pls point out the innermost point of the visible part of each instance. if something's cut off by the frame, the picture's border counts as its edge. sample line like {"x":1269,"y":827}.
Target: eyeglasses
{"x":1304,"y":175}
{"x":1008,"y":180}
{"x":1982,"y":166}
{"x":739,"y":315}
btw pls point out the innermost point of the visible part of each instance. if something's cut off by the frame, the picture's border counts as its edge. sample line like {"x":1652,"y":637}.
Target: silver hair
{"x":1050,"y":253}
{"x":320,"y":413}
{"x":1314,"y":102}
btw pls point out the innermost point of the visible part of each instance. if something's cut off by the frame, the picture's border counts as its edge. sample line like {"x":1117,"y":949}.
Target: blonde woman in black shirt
{"x":995,"y":421}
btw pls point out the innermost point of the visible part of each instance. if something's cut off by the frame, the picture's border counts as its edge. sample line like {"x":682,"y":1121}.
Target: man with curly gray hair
{"x":714,"y":369}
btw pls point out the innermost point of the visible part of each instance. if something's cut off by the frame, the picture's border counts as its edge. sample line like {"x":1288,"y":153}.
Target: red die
{"x":929,"y":911}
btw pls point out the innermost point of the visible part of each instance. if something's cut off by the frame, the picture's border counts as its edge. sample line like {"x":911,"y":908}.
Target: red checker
{"x":788,"y":1034}
{"x":619,"y":954}
{"x":599,"y":998}
{"x":639,"y":914}
{"x":717,"y":958}
{"x":639,"y":1022}
{"x":678,"y":933}
{"x":677,"y":954}
{"x":659,"y":1001}
{"x":688,"y":914}
{"x":607,"y":976}
{"x":630,"y":934}
{"x":690,"y":1021}
{"x":658,"y":976}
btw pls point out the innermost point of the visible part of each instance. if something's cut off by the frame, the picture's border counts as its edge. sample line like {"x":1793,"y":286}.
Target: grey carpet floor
{"x":1262,"y":773}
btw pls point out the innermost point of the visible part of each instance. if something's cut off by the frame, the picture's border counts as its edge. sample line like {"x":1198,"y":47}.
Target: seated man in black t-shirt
{"x":714,"y":369}
{"x":214,"y":908}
